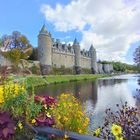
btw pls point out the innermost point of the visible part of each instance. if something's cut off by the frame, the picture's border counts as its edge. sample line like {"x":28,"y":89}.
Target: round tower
{"x":94,"y":68}
{"x":45,"y":50}
{"x":76,"y":48}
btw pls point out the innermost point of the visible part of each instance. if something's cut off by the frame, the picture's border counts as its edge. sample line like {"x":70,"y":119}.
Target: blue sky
{"x":67,"y":19}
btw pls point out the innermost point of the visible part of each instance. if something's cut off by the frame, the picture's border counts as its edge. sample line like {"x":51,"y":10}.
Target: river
{"x":99,"y":94}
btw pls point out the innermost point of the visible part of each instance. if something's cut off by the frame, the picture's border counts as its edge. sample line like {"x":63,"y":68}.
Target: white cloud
{"x":114,"y":24}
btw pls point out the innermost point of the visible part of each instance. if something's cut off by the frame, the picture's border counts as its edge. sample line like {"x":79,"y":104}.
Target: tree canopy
{"x":15,"y":47}
{"x":137,"y":56}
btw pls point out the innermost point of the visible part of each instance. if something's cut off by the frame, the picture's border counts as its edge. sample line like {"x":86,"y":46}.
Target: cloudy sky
{"x":112,"y":26}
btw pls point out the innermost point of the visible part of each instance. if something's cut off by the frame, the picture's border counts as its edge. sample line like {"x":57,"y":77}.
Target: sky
{"x":112,"y":26}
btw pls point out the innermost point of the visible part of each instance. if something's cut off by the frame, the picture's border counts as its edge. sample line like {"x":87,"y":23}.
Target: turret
{"x":76,"y":48}
{"x":93,"y":56}
{"x":45,"y":50}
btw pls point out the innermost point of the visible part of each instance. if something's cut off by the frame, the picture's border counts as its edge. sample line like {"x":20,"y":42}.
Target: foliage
{"x":9,"y":91}
{"x":118,"y":66}
{"x":7,"y":126}
{"x":14,"y":55}
{"x":16,"y":47}
{"x":62,"y":70}
{"x":0,"y":42}
{"x":121,"y":67}
{"x":26,"y":109}
{"x":45,"y":117}
{"x":34,"y":81}
{"x":120,"y":125}
{"x":3,"y":74}
{"x":35,"y":70}
{"x":137,"y":56}
{"x":69,"y":114}
{"x":86,"y":71}
{"x":104,"y":62}
{"x":34,"y":54}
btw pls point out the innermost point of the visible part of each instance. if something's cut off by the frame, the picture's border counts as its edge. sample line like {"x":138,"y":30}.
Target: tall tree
{"x":16,"y":47}
{"x":137,"y":56}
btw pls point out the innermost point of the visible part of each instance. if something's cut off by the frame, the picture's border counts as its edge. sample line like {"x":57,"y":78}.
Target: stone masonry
{"x":52,"y":53}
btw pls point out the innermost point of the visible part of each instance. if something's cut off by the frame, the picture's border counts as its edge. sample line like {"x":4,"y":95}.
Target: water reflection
{"x":84,"y":90}
{"x":98,"y":95}
{"x":110,"y":92}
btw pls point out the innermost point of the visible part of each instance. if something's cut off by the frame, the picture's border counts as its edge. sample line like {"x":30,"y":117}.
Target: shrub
{"x":7,"y":126}
{"x":35,"y":70}
{"x":45,"y":117}
{"x":122,"y":124}
{"x":69,"y":114}
{"x":86,"y":70}
{"x":10,"y":90}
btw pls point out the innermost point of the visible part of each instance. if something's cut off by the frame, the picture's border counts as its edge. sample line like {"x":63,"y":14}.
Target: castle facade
{"x":52,"y":53}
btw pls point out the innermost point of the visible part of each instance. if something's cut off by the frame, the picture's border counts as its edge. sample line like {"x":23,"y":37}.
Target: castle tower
{"x":76,"y":48}
{"x":45,"y":50}
{"x":94,"y":68}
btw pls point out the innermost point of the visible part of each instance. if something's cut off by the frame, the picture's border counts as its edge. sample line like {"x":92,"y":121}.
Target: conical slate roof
{"x":43,"y":30}
{"x":92,"y":48}
{"x":75,"y":42}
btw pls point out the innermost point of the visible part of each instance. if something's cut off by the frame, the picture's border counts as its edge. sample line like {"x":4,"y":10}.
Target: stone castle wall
{"x":53,"y":53}
{"x":67,"y":59}
{"x":85,"y":62}
{"x":61,"y":58}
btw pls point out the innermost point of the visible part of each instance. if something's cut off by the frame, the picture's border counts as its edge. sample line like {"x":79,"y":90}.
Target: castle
{"x":52,"y":53}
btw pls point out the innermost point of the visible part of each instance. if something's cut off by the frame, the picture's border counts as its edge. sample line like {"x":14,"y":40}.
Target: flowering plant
{"x":69,"y":114}
{"x":45,"y":117}
{"x":7,"y":126}
{"x":120,"y":125}
{"x":10,"y":90}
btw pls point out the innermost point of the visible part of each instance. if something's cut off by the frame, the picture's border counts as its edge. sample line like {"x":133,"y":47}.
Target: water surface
{"x":99,"y":94}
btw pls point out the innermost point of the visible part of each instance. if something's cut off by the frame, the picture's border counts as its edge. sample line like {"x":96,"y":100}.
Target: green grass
{"x":68,"y":78}
{"x":54,"y":79}
{"x":35,"y":81}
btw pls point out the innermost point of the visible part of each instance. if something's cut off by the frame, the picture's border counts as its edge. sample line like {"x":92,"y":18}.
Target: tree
{"x":16,"y":47}
{"x":137,"y":56}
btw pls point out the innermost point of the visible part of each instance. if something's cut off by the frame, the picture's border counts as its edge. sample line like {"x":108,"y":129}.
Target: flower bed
{"x":121,"y":125}
{"x":19,"y":108}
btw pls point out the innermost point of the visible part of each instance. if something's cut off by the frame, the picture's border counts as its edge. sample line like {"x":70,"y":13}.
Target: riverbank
{"x":35,"y":81}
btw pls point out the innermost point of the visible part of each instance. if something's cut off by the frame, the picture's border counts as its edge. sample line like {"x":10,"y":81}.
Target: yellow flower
{"x":9,"y":89}
{"x":70,"y":104}
{"x":87,"y":120}
{"x":20,"y":125}
{"x":66,"y":136}
{"x":64,"y":104}
{"x":65,"y":118}
{"x":80,"y":113}
{"x":80,"y":131}
{"x":59,"y":117}
{"x":48,"y":115}
{"x":119,"y":138}
{"x":97,"y":132}
{"x":116,"y":130}
{"x":1,"y":98}
{"x":33,"y":121}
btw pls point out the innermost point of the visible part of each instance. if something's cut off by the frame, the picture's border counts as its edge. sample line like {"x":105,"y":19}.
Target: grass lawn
{"x":54,"y":79}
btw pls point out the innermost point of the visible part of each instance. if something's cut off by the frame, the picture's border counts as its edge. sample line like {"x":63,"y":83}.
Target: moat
{"x":99,"y":94}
